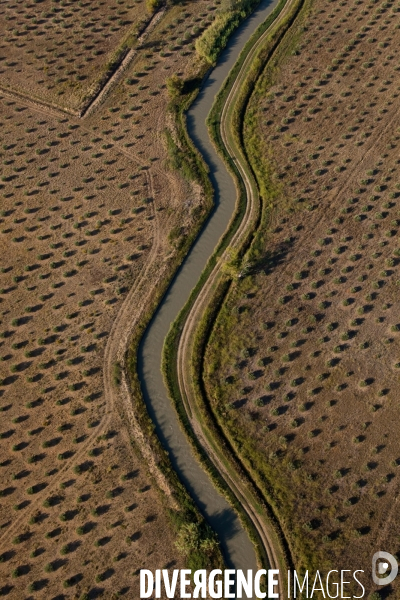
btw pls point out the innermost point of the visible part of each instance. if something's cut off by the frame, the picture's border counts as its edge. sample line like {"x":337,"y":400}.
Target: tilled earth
{"x":303,"y":363}
{"x":87,"y":209}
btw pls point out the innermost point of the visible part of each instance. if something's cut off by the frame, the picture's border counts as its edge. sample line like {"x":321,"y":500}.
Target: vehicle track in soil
{"x":123,"y":325}
{"x":203,"y":300}
{"x":165,"y":418}
{"x":120,"y":333}
{"x":205,"y":297}
{"x":118,"y":338}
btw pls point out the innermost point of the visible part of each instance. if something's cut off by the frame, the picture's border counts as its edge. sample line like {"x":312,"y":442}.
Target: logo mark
{"x":379,"y":570}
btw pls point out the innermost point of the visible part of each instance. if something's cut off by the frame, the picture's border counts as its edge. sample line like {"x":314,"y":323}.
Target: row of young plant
{"x":215,"y":38}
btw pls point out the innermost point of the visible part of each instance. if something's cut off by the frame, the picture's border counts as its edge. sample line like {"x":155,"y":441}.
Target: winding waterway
{"x":236,"y":545}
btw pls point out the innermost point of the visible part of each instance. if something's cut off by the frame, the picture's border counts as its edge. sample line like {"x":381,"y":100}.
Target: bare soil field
{"x":90,"y":212}
{"x":302,"y":367}
{"x":74,"y":239}
{"x":59,"y":51}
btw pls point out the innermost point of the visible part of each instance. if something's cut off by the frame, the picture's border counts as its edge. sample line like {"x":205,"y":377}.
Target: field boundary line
{"x":98,"y":96}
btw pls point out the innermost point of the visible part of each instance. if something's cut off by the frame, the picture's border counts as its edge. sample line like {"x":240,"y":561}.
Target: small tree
{"x":232,"y":265}
{"x":152,"y":5}
{"x":192,"y":537}
{"x":174,"y":86}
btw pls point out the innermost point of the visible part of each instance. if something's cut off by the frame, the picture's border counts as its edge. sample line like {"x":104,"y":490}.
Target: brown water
{"x":236,"y":545}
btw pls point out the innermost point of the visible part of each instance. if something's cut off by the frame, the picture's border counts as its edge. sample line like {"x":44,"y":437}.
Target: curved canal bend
{"x":237,"y":548}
